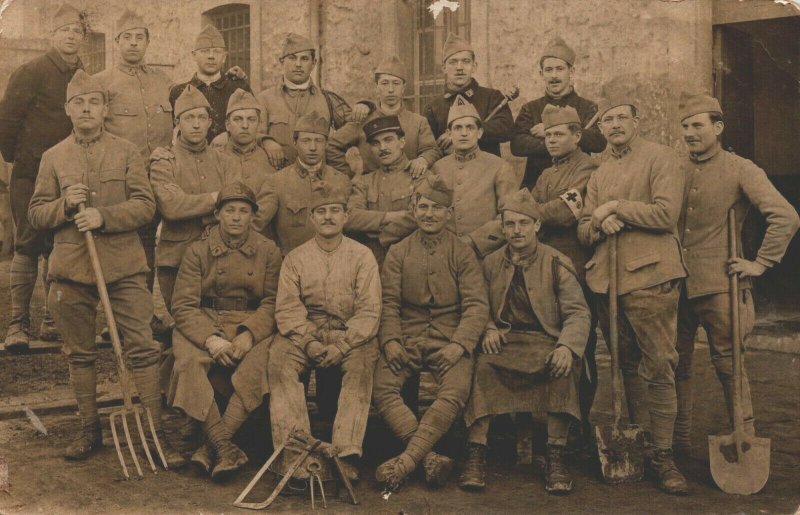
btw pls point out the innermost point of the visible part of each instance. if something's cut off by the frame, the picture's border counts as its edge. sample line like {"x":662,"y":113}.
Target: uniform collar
{"x":234,"y":148}
{"x":468,"y":156}
{"x":195,"y":148}
{"x":218,"y":84}
{"x":524,"y":258}
{"x":132,"y":69}
{"x":702,"y":158}
{"x":401,"y":164}
{"x":430,"y":242}
{"x":468,"y":90}
{"x":308,"y":86}
{"x":562,"y":100}
{"x":220,"y":247}
{"x":303,"y":169}
{"x":627,"y":149}
{"x":61,"y":64}
{"x":563,"y":160}
{"x":80,"y":140}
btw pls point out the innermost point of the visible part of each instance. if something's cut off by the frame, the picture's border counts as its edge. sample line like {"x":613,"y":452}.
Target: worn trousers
{"x":647,"y":322}
{"x":167,"y":275}
{"x":288,"y":409}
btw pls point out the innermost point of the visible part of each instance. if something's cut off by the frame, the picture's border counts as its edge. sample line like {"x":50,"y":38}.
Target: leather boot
{"x":557,"y":477}
{"x":17,"y":339}
{"x":394,"y":472}
{"x":174,"y":459}
{"x":202,"y":458}
{"x":670,"y":479}
{"x":48,"y":330}
{"x":437,"y":468}
{"x":681,"y":442}
{"x":229,"y":457}
{"x":89,"y":440}
{"x":350,"y":467}
{"x":473,"y":477}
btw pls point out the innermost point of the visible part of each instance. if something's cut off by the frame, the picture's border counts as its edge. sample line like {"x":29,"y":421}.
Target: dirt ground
{"x":42,"y":482}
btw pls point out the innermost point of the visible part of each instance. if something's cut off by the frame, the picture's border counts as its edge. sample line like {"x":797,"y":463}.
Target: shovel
{"x":739,"y":461}
{"x":120,"y":416}
{"x":620,"y":447}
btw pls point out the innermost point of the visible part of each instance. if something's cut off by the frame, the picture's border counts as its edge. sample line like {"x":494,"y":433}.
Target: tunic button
{"x":250,"y":272}
{"x":694,"y":190}
{"x":220,"y":271}
{"x":688,"y":230}
{"x":94,"y":193}
{"x":690,"y":209}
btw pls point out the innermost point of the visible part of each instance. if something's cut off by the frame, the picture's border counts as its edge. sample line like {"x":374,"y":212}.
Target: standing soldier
{"x":186,"y":180}
{"x":639,"y":188}
{"x":209,"y":53}
{"x":717,"y":181}
{"x":458,"y":65}
{"x":560,"y":192}
{"x":328,"y":309}
{"x":434,"y":311}
{"x":224,"y":306}
{"x":288,"y":192}
{"x":106,"y":173}
{"x":294,"y":96}
{"x":556,"y":67}
{"x":32,"y":119}
{"x":420,"y":145}
{"x":532,"y":345}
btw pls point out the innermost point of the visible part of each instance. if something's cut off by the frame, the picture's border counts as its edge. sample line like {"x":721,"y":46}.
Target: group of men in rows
{"x":279,"y":252}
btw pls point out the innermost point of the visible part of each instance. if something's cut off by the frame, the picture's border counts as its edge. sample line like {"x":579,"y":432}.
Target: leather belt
{"x":229,"y":303}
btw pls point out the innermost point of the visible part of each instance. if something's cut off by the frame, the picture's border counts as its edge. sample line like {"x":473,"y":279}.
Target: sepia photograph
{"x":399,"y":256}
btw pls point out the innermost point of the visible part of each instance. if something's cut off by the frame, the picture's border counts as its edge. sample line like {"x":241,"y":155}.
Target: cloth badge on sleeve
{"x":574,"y":201}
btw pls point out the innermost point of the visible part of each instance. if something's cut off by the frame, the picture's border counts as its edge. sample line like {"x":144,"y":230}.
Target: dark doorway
{"x":757,"y":78}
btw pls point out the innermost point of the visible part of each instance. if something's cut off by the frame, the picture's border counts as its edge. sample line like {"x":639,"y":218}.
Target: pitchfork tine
{"x":116,"y":444}
{"x":130,"y":444}
{"x":155,"y":438}
{"x":143,"y":439}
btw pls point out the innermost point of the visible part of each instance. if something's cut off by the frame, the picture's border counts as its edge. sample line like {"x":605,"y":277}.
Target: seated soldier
{"x":434,"y":310}
{"x":328,"y":309}
{"x":224,"y":308}
{"x":531,"y":360}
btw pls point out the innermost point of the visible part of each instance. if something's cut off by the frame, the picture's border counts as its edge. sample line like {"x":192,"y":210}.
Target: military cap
{"x":555,"y":115}
{"x":295,"y":43}
{"x":460,"y":109}
{"x":209,"y":37}
{"x":697,"y":104}
{"x":455,"y":44}
{"x":236,"y":190}
{"x":381,"y":124}
{"x":522,"y":202}
{"x":65,"y":15}
{"x":190,"y":98}
{"x":241,"y":99}
{"x":613,"y":101}
{"x":391,"y":66}
{"x":323,"y":194}
{"x":435,"y":188}
{"x":83,"y":83}
{"x":313,"y":122}
{"x":558,"y":48}
{"x":130,"y":20}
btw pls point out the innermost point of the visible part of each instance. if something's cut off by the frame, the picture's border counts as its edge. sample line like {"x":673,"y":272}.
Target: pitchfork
{"x":120,"y":416}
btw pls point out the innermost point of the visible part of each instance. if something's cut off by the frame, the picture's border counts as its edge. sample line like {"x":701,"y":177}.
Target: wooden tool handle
{"x":124,"y":378}
{"x":736,"y":336}
{"x":616,"y":386}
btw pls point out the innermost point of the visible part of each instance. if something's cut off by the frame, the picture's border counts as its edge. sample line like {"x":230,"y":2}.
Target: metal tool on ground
{"x":128,"y":408}
{"x":739,"y":461}
{"x":620,"y":447}
{"x":512,"y":94}
{"x":304,"y":445}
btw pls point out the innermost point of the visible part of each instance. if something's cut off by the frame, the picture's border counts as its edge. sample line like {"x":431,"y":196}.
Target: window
{"x":93,"y":53}
{"x":429,"y":37}
{"x":233,"y":21}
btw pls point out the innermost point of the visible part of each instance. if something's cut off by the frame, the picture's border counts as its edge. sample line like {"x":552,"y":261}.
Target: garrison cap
{"x":295,"y":43}
{"x":460,"y":109}
{"x":558,"y":48}
{"x":381,"y":124}
{"x":66,"y":15}
{"x":83,"y":83}
{"x":236,"y":190}
{"x":455,"y":44}
{"x":613,"y":101}
{"x":190,"y":98}
{"x":323,"y":193}
{"x":209,"y":37}
{"x":699,"y":104}
{"x":313,"y":122}
{"x":130,"y":20}
{"x":391,"y":66}
{"x":555,"y":115}
{"x":241,"y":99}
{"x":522,"y":202}
{"x":434,"y":187}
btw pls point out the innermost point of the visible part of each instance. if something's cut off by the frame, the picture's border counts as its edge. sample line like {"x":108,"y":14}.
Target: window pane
{"x":234,"y":24}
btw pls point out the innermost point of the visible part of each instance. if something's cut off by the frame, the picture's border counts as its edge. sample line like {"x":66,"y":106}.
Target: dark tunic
{"x":217,"y":94}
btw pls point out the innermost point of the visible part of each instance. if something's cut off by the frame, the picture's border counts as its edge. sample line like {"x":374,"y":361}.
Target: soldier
{"x":716,"y":181}
{"x":209,"y":53}
{"x":224,"y":306}
{"x":288,"y":192}
{"x":526,"y":338}
{"x":186,"y":179}
{"x":639,"y":188}
{"x":458,"y":65}
{"x":381,"y":197}
{"x":251,"y":164}
{"x":420,"y":145}
{"x":32,"y":119}
{"x":434,"y":311}
{"x":328,"y":309}
{"x":556,"y":67}
{"x":106,"y":173}
{"x":560,"y":192}
{"x":296,"y":95}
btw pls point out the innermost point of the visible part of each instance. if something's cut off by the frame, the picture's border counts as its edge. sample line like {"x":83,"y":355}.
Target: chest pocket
{"x":278,"y":126}
{"x":111,"y":186}
{"x":401,"y":199}
{"x":124,"y":110}
{"x":296,"y":214}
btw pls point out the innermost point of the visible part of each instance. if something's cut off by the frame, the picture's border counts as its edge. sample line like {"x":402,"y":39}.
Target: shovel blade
{"x":621,"y":453}
{"x":743,"y":474}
